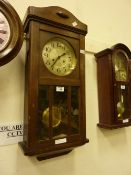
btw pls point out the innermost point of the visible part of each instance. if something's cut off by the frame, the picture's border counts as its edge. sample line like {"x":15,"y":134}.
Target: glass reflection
{"x":60,"y":111}
{"x":120,"y":66}
{"x":74,"y":110}
{"x":123,"y":110}
{"x":43,"y":104}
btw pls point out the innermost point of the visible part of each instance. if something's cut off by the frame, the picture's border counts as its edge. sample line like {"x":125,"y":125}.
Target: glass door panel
{"x":122,"y":108}
{"x":60,"y":112}
{"x":75,"y":110}
{"x":120,"y":66}
{"x":43,"y":113}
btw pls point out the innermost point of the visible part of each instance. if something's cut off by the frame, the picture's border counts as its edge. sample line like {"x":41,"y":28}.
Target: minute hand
{"x":57,"y":59}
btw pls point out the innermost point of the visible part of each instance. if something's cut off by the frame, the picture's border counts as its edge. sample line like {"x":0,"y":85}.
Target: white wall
{"x":108,"y":152}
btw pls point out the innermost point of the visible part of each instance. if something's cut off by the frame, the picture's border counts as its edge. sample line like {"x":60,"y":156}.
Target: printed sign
{"x":59,"y":141}
{"x":11,"y":133}
{"x":74,"y":23}
{"x":126,"y":120}
{"x":59,"y":89}
{"x":123,"y":87}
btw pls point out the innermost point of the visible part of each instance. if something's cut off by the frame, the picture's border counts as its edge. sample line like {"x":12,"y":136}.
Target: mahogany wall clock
{"x":55,"y":117}
{"x":11,"y":32}
{"x":114,"y":86}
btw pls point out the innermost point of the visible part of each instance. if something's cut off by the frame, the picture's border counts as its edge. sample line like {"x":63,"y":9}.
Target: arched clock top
{"x":121,"y":47}
{"x":113,"y":49}
{"x":55,"y":16}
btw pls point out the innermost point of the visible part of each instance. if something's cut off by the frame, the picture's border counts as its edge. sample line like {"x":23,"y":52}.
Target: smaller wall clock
{"x":114,"y":87}
{"x":11,"y":32}
{"x":55,"y":118}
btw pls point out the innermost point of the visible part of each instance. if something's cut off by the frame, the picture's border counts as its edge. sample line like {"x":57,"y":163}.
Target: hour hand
{"x":57,"y":59}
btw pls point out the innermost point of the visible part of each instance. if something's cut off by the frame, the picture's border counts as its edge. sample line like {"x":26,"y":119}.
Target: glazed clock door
{"x":56,"y":118}
{"x":122,"y":86}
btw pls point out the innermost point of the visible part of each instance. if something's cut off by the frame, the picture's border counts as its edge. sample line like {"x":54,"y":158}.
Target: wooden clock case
{"x":40,"y":25}
{"x":109,"y":87}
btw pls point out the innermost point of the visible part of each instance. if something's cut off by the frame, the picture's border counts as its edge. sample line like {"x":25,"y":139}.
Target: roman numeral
{"x":3,"y":31}
{"x":1,"y":40}
{"x":2,"y":22}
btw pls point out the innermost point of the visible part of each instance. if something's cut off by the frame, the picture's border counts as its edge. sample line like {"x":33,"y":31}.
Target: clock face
{"x":120,"y":65}
{"x":4,"y":31}
{"x":59,"y":57}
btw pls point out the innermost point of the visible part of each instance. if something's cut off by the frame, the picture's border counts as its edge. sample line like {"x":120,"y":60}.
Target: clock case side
{"x":34,"y":18}
{"x":106,"y":86}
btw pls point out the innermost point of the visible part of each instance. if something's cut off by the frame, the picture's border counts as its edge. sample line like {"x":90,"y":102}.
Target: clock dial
{"x":120,"y":63}
{"x":4,"y":31}
{"x":59,"y":57}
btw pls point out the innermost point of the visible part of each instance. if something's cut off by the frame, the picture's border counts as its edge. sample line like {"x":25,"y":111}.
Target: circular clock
{"x":11,"y":32}
{"x":4,"y":31}
{"x":59,"y":57}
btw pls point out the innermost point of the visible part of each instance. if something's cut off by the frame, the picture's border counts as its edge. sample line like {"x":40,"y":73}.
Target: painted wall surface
{"x":108,"y":152}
